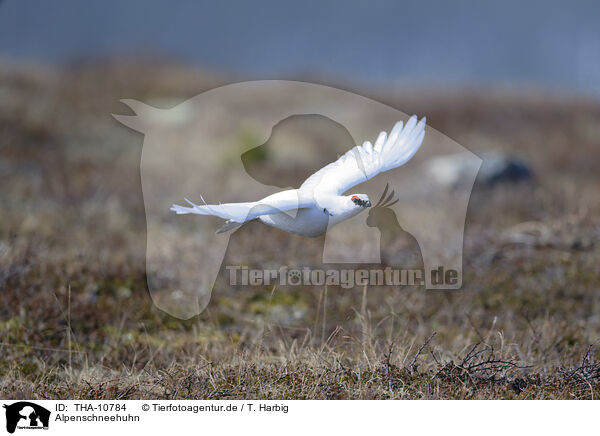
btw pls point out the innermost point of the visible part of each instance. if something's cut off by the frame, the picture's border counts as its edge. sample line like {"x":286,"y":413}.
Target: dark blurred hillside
{"x":540,"y":43}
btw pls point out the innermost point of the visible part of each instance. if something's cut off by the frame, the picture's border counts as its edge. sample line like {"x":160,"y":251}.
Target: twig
{"x":414,"y":361}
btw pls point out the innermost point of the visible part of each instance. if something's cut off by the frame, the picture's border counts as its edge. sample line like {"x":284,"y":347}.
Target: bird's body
{"x":309,"y":221}
{"x":319,"y":203}
{"x":313,"y":220}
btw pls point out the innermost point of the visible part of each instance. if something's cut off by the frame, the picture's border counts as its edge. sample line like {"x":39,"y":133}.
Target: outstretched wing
{"x":242,"y":212}
{"x":364,"y":162}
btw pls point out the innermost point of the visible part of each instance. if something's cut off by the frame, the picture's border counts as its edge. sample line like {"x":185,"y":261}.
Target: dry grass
{"x":76,"y":320}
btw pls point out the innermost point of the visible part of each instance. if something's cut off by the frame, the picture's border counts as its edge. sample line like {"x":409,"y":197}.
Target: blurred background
{"x":550,"y":45}
{"x":518,"y":83}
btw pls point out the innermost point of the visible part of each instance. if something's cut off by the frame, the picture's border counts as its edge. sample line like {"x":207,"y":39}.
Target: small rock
{"x":498,"y":169}
{"x":456,"y":170}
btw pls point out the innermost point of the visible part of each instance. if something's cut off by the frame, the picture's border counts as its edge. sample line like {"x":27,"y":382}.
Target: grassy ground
{"x":76,"y":319}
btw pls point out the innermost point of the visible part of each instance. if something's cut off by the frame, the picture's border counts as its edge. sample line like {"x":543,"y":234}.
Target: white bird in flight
{"x":319,"y":202}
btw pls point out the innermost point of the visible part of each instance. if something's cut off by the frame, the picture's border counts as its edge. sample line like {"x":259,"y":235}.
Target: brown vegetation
{"x":76,"y":319}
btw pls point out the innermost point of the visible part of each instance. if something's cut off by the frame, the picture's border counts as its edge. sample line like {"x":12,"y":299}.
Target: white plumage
{"x":319,"y":202}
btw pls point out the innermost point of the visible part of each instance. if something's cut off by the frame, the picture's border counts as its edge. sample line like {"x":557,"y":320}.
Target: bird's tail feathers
{"x":204,"y":209}
{"x":180,"y":210}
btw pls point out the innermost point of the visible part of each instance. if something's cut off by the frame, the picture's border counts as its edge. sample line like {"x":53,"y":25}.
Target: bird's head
{"x":361,"y":200}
